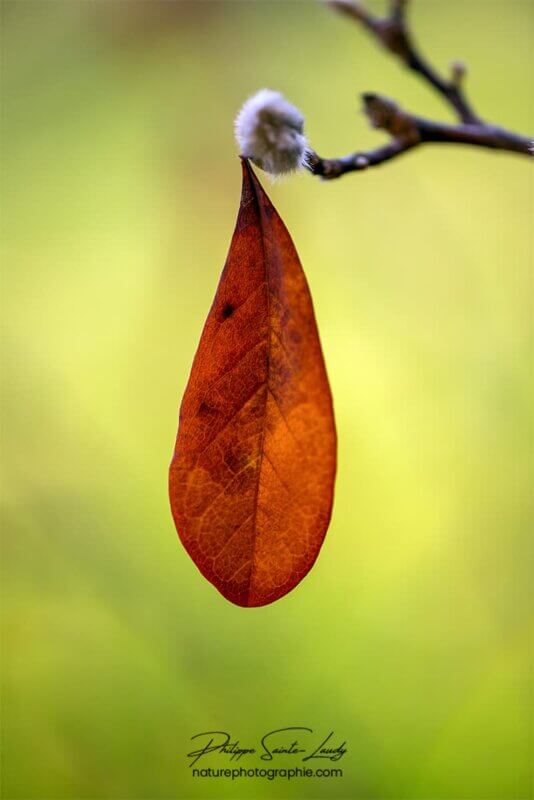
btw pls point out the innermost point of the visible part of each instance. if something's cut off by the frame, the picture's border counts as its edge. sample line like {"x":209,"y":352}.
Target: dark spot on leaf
{"x":227,"y":311}
{"x":204,"y":410}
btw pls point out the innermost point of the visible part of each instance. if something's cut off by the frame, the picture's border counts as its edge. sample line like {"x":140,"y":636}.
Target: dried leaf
{"x":252,"y":478}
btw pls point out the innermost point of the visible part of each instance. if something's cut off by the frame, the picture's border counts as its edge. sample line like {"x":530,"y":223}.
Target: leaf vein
{"x":232,"y":417}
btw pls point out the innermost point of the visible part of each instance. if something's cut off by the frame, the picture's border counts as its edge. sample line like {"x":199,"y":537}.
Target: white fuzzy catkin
{"x":270,"y":131}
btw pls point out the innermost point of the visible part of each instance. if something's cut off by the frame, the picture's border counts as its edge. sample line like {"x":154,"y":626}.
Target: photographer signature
{"x":294,"y":741}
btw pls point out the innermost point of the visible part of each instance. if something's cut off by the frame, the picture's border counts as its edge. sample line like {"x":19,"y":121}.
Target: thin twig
{"x":406,"y":129}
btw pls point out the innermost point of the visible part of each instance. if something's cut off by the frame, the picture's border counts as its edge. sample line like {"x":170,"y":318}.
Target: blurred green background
{"x":120,"y":190}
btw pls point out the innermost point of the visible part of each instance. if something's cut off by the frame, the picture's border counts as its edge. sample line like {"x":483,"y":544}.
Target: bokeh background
{"x":120,"y":189}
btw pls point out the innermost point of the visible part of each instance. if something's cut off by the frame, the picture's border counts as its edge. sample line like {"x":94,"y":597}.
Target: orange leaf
{"x":252,"y":478}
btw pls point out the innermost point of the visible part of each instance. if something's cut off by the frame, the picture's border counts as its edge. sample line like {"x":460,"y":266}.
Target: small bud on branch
{"x":458,"y":73}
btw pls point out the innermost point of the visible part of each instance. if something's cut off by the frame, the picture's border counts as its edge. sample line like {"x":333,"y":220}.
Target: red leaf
{"x":252,"y":478}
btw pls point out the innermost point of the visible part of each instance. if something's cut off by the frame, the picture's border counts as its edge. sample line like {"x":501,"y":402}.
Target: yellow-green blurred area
{"x":121,"y":183}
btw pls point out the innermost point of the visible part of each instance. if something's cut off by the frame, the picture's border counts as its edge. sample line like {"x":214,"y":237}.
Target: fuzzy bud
{"x":270,"y":131}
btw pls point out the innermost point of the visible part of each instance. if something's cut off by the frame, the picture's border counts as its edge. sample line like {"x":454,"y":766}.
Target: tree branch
{"x":408,"y":130}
